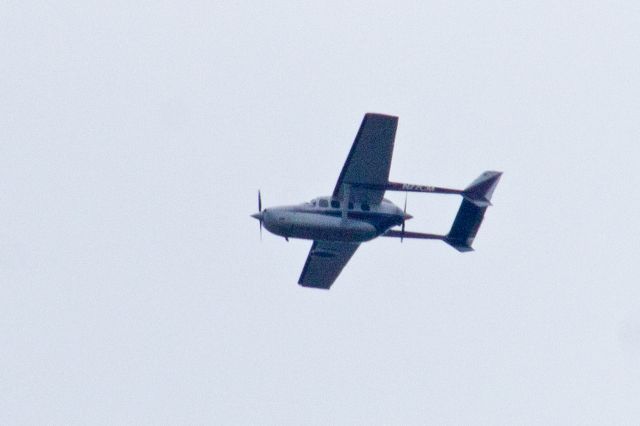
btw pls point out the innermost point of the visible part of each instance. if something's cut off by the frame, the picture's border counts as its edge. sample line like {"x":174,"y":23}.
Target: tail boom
{"x":476,"y":199}
{"x":410,"y":187}
{"x":417,"y":235}
{"x":479,"y":192}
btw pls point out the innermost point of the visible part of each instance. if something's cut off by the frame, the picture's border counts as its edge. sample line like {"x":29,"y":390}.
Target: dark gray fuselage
{"x":313,"y":221}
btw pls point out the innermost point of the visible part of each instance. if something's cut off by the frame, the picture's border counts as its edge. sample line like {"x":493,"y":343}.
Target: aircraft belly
{"x":330,"y":228}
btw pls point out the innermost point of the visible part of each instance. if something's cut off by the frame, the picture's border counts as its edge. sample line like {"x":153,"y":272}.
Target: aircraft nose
{"x":258,"y":216}
{"x":407,"y":216}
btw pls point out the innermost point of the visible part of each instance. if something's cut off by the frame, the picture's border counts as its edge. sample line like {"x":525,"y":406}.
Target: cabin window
{"x":350,"y":206}
{"x":323,"y":203}
{"x":365,"y":207}
{"x":335,"y":204}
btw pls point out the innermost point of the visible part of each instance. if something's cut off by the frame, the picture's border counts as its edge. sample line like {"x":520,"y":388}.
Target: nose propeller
{"x":259,"y":216}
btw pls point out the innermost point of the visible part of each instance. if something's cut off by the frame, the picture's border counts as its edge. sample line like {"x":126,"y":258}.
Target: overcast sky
{"x":134,"y":288}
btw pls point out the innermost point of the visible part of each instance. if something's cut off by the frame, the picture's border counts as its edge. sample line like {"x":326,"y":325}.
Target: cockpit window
{"x":350,"y":206}
{"x":365,"y":207}
{"x":335,"y":204}
{"x":323,"y":203}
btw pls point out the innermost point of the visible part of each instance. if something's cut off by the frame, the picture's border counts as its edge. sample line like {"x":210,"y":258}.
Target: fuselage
{"x":328,"y":219}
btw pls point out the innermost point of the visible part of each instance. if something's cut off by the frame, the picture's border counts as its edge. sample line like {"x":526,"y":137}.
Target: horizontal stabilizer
{"x":465,"y":226}
{"x":477,"y":197}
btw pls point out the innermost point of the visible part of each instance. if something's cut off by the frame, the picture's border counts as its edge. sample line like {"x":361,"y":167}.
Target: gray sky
{"x":133,"y":285}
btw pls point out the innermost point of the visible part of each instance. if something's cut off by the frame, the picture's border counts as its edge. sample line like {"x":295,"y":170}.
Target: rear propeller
{"x":404,"y":216}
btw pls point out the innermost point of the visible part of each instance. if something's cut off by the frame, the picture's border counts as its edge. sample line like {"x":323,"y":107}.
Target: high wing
{"x":325,"y":262}
{"x":369,"y":160}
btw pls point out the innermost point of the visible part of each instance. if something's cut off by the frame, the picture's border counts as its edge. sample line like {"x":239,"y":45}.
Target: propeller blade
{"x":404,"y":214}
{"x":259,"y":214}
{"x":405,"y":203}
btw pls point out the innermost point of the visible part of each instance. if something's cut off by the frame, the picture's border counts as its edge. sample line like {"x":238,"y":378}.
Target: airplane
{"x":357,"y":211}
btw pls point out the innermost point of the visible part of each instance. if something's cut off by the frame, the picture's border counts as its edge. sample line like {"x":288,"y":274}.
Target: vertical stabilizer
{"x":480,"y":191}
